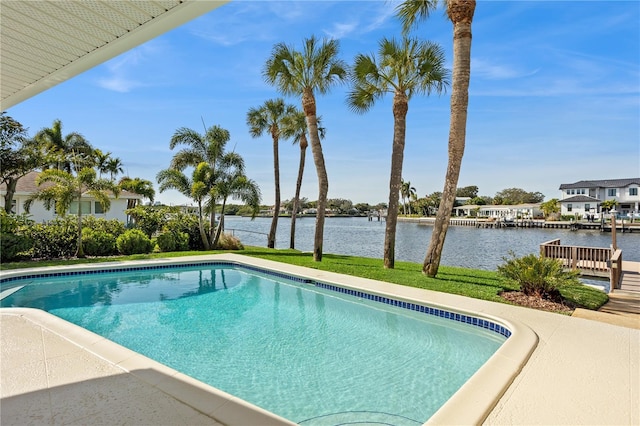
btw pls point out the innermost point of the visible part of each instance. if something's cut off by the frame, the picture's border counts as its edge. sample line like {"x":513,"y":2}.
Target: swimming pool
{"x":256,"y":335}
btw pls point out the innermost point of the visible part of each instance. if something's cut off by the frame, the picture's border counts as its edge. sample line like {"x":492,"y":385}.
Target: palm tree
{"x":137,"y":186}
{"x":236,"y":185}
{"x":407,"y":192}
{"x":268,"y":118}
{"x":65,"y":188}
{"x":114,"y":167}
{"x":64,"y":152}
{"x":294,"y":127}
{"x":196,"y":188}
{"x":460,"y":12}
{"x":101,"y":161}
{"x":403,"y":68}
{"x":313,"y":70}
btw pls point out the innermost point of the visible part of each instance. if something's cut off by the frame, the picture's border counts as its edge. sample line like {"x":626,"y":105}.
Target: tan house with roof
{"x":26,"y":186}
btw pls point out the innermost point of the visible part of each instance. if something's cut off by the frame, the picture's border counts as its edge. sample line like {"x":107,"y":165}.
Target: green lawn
{"x":474,"y":283}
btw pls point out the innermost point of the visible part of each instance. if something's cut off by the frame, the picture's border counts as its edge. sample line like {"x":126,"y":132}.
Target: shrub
{"x":187,"y":223}
{"x":12,"y":240}
{"x":229,"y":242}
{"x":111,"y":226}
{"x":536,"y":275}
{"x":98,"y":242}
{"x":173,"y":241}
{"x":134,"y":241}
{"x":148,"y":219}
{"x":54,"y":239}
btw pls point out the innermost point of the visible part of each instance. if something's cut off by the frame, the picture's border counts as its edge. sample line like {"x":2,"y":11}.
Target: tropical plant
{"x":460,"y":12}
{"x":61,"y":188}
{"x":196,"y":188}
{"x":404,"y":68}
{"x":19,"y":155}
{"x":12,"y":241}
{"x":269,"y":118}
{"x":294,"y":126}
{"x":114,"y":167}
{"x":209,"y":149}
{"x":313,"y":70}
{"x":407,"y":192}
{"x":137,"y":186}
{"x":608,"y":205}
{"x":101,"y":161}
{"x":550,"y":207}
{"x":537,"y":275}
{"x":69,"y":153}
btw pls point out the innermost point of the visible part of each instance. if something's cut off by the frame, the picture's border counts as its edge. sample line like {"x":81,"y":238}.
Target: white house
{"x":529,"y":211}
{"x":26,"y":186}
{"x":584,"y":197}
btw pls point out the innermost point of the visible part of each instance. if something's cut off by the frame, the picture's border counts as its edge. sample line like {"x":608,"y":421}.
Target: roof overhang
{"x":43,"y":43}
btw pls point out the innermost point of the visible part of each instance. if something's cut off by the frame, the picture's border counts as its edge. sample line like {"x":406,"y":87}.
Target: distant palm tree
{"x":294,"y":127}
{"x":268,"y":118}
{"x":64,"y":152}
{"x":407,"y":192}
{"x":114,"y":167}
{"x":404,"y":68}
{"x":101,"y":161}
{"x":460,"y":12}
{"x":315,"y":69}
{"x":66,"y":188}
{"x":137,"y":186}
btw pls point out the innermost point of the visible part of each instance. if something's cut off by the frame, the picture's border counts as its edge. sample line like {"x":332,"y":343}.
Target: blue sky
{"x":554,"y":97}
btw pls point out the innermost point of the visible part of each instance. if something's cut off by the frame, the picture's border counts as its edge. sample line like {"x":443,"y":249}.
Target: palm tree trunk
{"x":203,"y":234}
{"x":461,"y":14}
{"x":220,"y":227}
{"x":296,"y":199}
{"x":271,"y":240}
{"x":309,"y":108}
{"x":80,"y":249}
{"x":400,"y":108}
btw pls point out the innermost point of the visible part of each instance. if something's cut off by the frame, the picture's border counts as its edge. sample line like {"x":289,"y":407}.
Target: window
{"x":633,"y":191}
{"x":611,"y":192}
{"x":97,"y":208}
{"x":587,"y":207}
{"x":569,"y":207}
{"x":84,"y":205}
{"x":568,"y":192}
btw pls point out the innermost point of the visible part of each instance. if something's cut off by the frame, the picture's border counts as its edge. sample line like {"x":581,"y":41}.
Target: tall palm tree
{"x":64,"y":151}
{"x":460,"y":12}
{"x":407,"y":192}
{"x":114,"y":167}
{"x":196,"y":188}
{"x":404,"y":68}
{"x":101,"y":161}
{"x":66,"y":188}
{"x":268,"y":118}
{"x":137,"y":186}
{"x":315,"y":69}
{"x":294,"y":127}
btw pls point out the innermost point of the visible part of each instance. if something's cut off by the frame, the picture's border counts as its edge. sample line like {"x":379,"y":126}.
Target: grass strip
{"x":475,"y":283}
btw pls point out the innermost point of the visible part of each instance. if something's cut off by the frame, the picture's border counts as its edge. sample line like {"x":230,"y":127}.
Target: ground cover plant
{"x":475,"y":283}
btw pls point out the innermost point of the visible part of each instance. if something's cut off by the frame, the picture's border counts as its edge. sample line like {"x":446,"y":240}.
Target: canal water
{"x":465,"y":246}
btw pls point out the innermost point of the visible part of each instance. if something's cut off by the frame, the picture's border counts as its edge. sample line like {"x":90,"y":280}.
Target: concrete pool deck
{"x":580,"y":371}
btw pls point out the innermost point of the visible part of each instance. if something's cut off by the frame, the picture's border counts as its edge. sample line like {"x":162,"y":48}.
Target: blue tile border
{"x":463,"y":318}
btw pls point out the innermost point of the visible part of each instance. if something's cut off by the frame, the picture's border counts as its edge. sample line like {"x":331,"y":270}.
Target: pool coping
{"x":478,"y":396}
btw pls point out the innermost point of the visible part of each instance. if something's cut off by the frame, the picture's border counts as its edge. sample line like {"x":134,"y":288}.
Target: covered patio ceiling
{"x":43,"y":43}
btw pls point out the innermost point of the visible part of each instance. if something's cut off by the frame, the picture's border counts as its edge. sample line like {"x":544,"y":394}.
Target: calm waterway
{"x":465,"y":246}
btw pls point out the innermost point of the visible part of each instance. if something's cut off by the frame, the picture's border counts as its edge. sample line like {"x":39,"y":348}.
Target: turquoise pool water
{"x":310,"y":354}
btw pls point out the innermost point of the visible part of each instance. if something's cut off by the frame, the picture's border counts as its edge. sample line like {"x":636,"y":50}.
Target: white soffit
{"x":46,"y":42}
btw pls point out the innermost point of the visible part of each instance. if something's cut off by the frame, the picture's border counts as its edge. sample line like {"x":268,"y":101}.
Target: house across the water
{"x":584,"y":197}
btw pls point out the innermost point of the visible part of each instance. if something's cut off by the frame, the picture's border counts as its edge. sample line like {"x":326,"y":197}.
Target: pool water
{"x":309,"y":354}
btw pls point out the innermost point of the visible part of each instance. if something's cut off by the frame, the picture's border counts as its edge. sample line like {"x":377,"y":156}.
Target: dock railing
{"x":590,"y":261}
